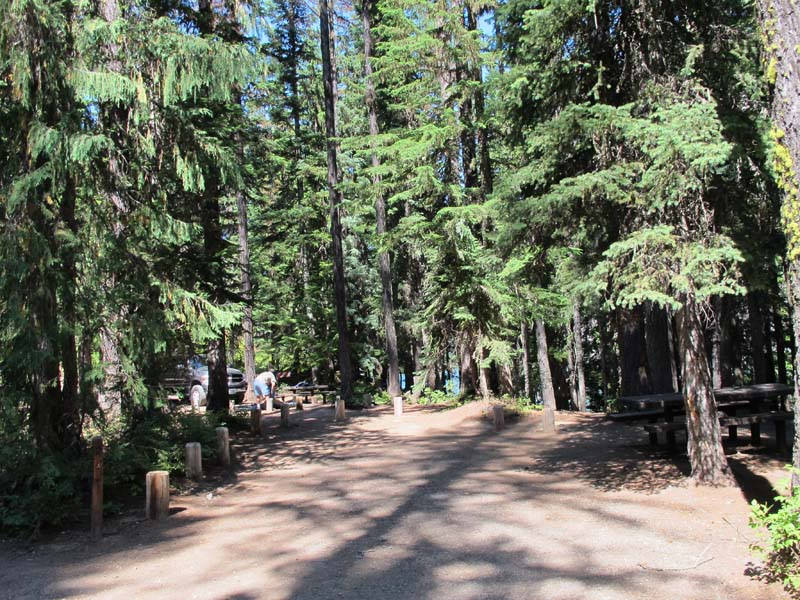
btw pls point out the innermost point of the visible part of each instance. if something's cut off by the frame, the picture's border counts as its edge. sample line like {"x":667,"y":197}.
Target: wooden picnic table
{"x":729,"y":400}
{"x":755,"y":395}
{"x":305,"y":391}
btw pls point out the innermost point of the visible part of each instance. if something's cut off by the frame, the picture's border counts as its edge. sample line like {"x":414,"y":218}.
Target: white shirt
{"x":267,"y":377}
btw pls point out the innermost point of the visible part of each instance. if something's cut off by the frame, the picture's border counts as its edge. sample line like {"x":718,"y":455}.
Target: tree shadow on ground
{"x":610,"y":457}
{"x":426,"y":517}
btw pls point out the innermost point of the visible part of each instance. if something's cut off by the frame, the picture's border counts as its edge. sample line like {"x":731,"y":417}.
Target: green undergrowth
{"x":779,"y":545}
{"x":40,"y":490}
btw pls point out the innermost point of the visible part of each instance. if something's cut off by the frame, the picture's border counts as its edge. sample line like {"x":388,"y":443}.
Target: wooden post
{"x":255,"y":420}
{"x":156,"y":504}
{"x":268,"y":404}
{"x":284,"y":415}
{"x":97,"y":488}
{"x":397,"y":401}
{"x":300,"y":403}
{"x":339,"y":413}
{"x":194,"y":460}
{"x":498,"y":413}
{"x":223,"y":446}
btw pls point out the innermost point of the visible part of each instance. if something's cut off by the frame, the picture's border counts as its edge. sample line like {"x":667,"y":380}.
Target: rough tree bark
{"x":526,"y":359}
{"x":758,"y":346}
{"x":213,"y":244}
{"x":467,"y":372}
{"x":247,"y":291}
{"x":780,"y":22}
{"x":571,"y":374}
{"x":577,"y":332}
{"x":384,"y":261}
{"x":704,"y":439}
{"x":633,"y":352}
{"x":335,"y":201}
{"x":546,"y":379}
{"x":658,"y":350}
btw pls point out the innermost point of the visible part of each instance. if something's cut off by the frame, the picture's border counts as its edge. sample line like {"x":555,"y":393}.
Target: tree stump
{"x":499,"y":417}
{"x":156,"y":503}
{"x":339,"y":413}
{"x":549,"y":420}
{"x":97,"y":488}
{"x":284,"y":415}
{"x":223,"y":446}
{"x":255,"y":420}
{"x":194,"y":460}
{"x":397,"y":401}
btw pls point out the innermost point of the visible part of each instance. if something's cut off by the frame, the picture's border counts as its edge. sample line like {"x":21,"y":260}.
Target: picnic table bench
{"x":732,"y":423}
{"x":300,"y":393}
{"x":762,"y":401}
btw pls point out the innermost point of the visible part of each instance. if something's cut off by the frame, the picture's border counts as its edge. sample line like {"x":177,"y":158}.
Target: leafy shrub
{"x":39,"y":489}
{"x":36,"y":489}
{"x":155,"y":442}
{"x":381,"y":397}
{"x":430,"y":396}
{"x":779,"y":548}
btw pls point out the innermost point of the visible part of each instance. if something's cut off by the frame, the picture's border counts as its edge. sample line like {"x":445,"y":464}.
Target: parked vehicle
{"x":190,"y":379}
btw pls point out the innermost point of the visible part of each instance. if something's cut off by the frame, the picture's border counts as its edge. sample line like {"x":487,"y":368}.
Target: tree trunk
{"x":110,"y":398}
{"x":673,"y":353}
{"x":546,"y":379}
{"x":484,"y":376}
{"x":780,"y":343}
{"x":526,"y":359}
{"x":384,"y":261}
{"x":793,"y":288}
{"x":247,"y":291}
{"x":217,"y":397}
{"x":467,"y":361}
{"x":213,"y":245}
{"x":335,"y":202}
{"x":716,"y":345}
{"x":572,"y":376}
{"x":706,"y":454}
{"x":780,"y":22}
{"x":658,"y":349}
{"x":605,"y":344}
{"x":633,"y":352}
{"x":577,"y":332}
{"x":758,"y":349}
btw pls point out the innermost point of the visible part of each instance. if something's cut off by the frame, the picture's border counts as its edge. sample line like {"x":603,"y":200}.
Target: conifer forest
{"x":563,"y":202}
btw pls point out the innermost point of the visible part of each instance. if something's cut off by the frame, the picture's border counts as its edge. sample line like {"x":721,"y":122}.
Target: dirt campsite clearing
{"x":431,"y":504}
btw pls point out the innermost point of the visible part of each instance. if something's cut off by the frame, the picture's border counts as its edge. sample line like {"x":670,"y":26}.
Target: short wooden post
{"x":499,"y":417}
{"x":284,"y":415}
{"x":97,"y":488}
{"x":299,"y":403}
{"x":255,"y":420}
{"x":268,"y":404}
{"x":194,"y":460}
{"x":156,"y":503}
{"x":339,"y":413}
{"x":397,"y":401}
{"x":223,"y":446}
